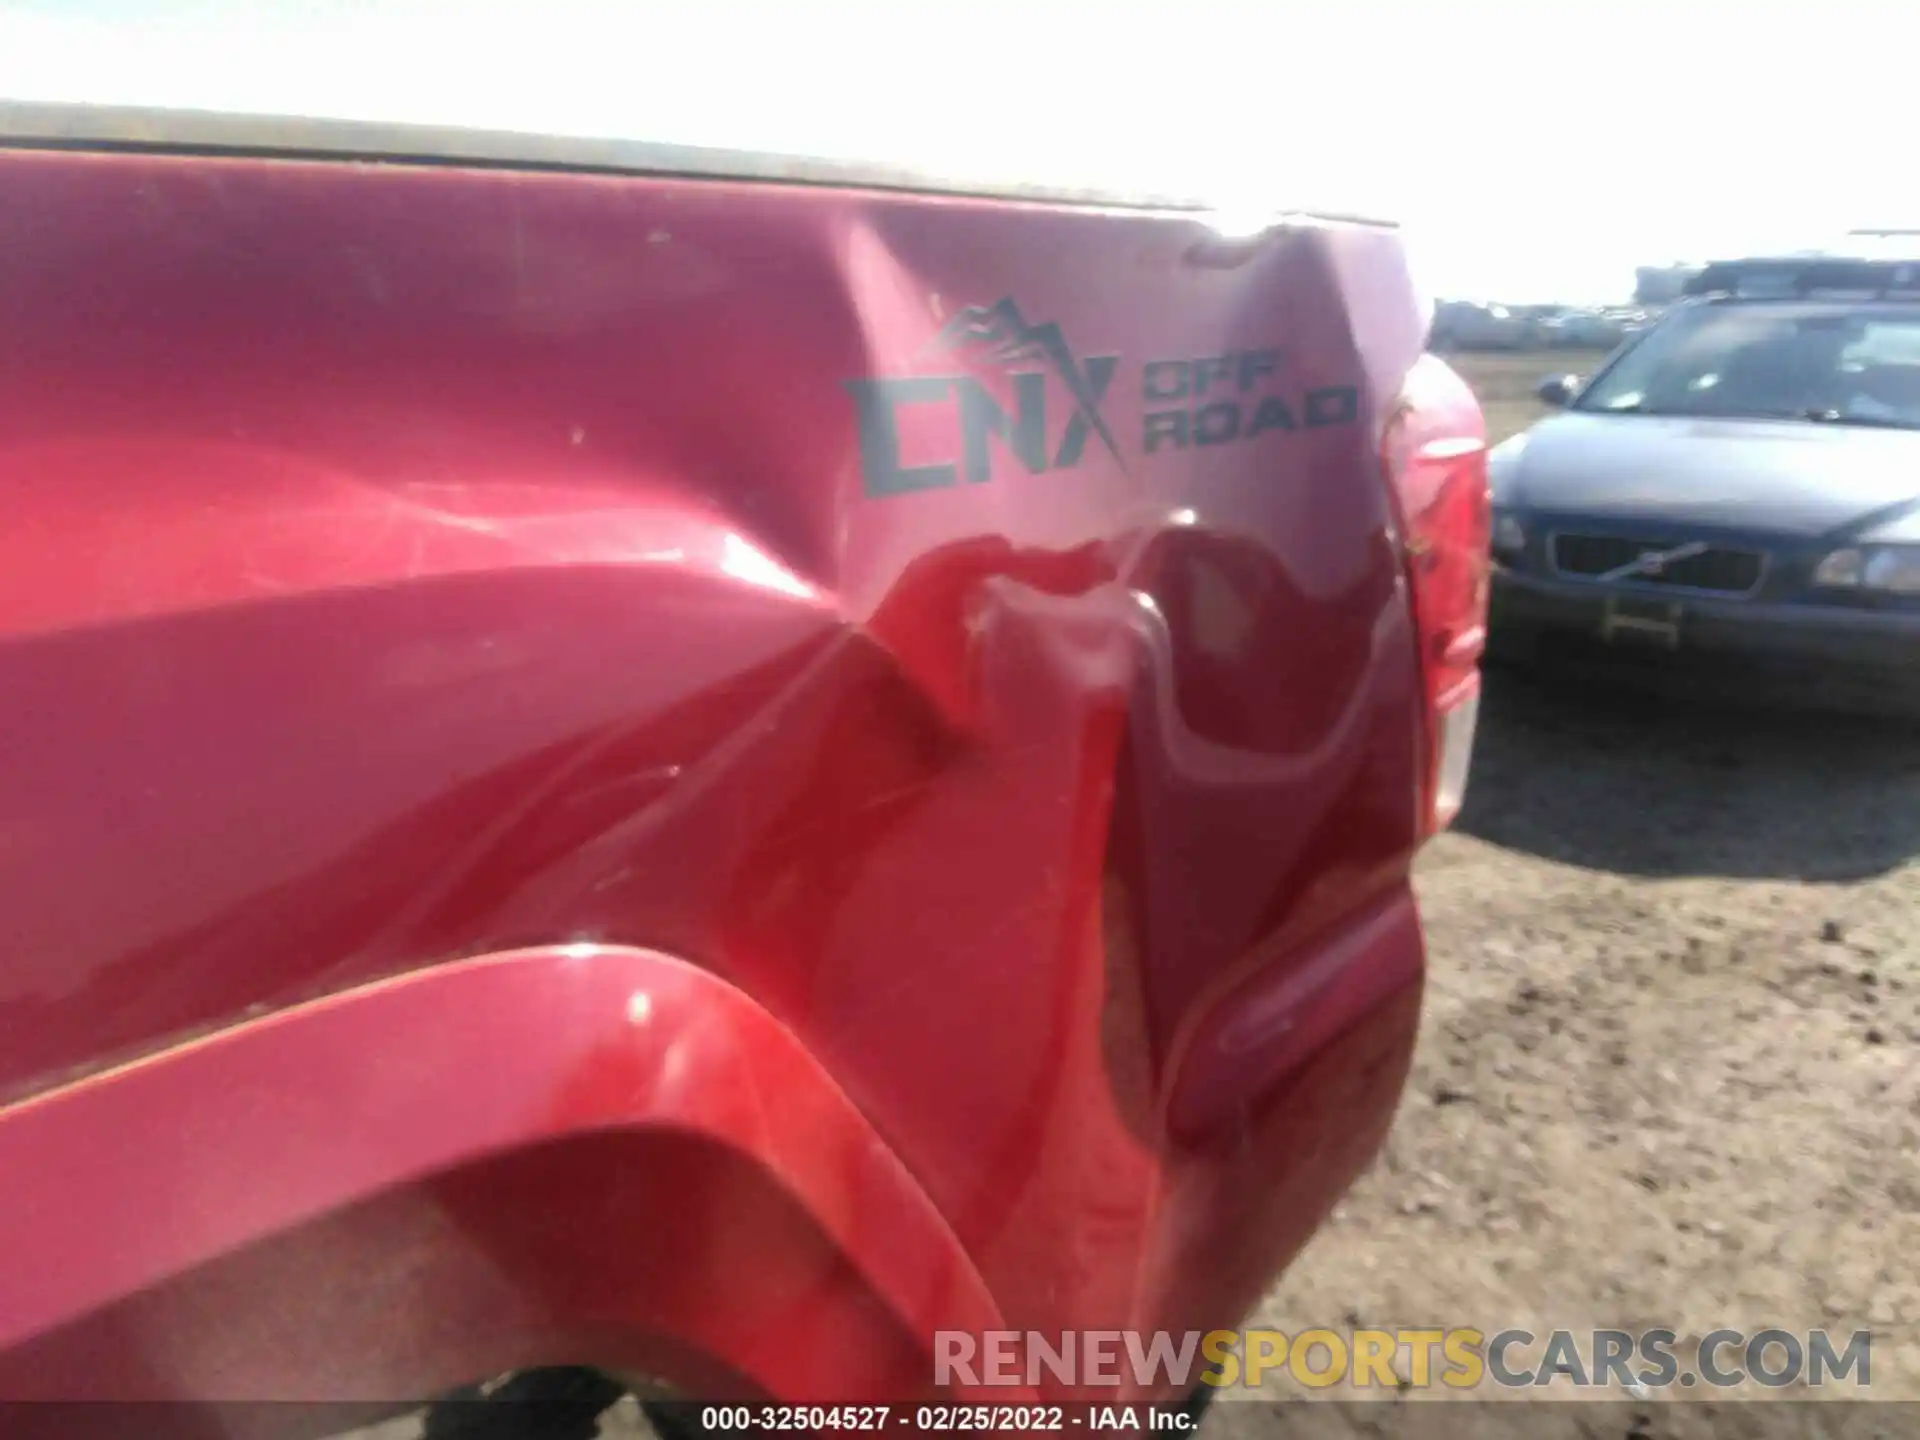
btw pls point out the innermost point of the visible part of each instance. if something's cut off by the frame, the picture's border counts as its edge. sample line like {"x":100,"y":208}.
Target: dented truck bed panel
{"x":970,"y":631}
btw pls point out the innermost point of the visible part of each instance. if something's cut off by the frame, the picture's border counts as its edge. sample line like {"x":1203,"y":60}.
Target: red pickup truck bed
{"x":697,"y":775}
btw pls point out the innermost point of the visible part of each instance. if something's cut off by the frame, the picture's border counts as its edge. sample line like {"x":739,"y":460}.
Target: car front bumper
{"x":1819,"y":653}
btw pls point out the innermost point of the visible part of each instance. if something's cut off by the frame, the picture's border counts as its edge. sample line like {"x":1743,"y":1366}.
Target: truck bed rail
{"x":94,"y":127}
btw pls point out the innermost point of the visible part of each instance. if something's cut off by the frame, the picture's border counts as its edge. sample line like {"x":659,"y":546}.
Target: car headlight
{"x":1509,"y":535}
{"x":1894,"y":569}
{"x":1840,"y":570}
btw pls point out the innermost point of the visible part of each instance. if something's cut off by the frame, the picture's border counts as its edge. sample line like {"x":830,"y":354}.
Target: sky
{"x":1532,"y":151}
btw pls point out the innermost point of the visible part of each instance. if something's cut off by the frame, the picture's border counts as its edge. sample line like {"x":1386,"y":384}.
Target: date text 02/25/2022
{"x":948,"y":1419}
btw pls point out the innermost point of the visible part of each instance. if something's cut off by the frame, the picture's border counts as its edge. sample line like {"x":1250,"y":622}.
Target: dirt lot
{"x":1669,"y":1073}
{"x":1505,"y":384}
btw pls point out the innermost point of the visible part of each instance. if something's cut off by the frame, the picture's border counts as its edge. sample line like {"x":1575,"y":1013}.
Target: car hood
{"x":1785,"y":477}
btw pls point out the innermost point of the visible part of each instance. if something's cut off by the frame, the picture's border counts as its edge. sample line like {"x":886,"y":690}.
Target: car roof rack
{"x":1793,"y":277}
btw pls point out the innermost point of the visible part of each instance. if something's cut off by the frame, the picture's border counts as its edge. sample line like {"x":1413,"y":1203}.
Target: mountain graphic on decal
{"x":1000,"y":333}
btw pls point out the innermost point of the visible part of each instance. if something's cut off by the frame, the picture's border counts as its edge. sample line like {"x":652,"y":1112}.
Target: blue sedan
{"x":1736,"y":492}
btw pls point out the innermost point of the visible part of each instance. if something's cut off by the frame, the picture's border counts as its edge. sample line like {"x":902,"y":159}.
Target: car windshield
{"x":1829,"y":363}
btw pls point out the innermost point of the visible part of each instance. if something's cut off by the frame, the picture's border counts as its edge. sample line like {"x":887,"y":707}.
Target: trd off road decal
{"x":1185,"y":403}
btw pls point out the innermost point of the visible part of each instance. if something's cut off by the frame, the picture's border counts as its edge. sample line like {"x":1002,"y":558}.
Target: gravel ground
{"x":1669,"y":1070}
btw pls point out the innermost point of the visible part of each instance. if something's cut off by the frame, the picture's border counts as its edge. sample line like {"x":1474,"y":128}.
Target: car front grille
{"x":1718,"y":568}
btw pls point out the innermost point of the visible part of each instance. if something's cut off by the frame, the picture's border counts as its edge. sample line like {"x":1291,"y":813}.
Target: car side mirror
{"x":1558,"y":389}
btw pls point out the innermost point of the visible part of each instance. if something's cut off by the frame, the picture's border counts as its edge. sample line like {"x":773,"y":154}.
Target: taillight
{"x":1434,"y":448}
